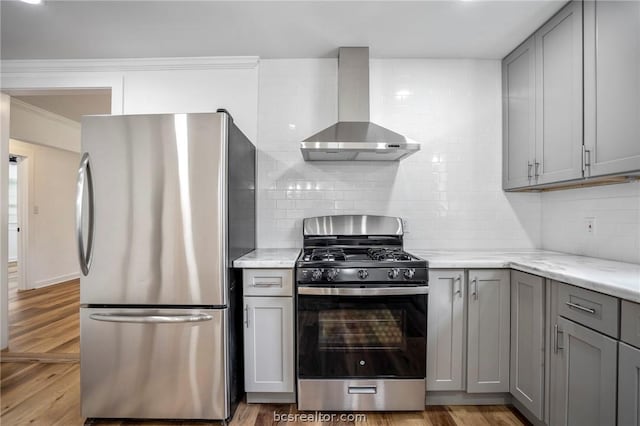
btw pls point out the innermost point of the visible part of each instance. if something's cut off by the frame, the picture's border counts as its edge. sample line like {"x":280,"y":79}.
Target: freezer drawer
{"x":154,"y":363}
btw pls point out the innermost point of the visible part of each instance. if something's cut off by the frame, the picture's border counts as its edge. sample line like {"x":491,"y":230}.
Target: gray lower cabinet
{"x":488,"y":331}
{"x":630,"y":323}
{"x":528,"y":341}
{"x":445,"y":330}
{"x":628,"y":385}
{"x":269,"y":363}
{"x":268,"y":344}
{"x":612,"y":86}
{"x":583,"y":390}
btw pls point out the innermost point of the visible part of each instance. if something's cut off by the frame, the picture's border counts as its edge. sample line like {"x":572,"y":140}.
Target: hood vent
{"x":354,"y":137}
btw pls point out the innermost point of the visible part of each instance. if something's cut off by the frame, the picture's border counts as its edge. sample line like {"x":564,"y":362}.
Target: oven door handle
{"x":359,"y":291}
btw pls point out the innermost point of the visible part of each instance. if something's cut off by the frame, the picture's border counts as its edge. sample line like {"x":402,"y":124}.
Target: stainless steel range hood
{"x":354,"y":137}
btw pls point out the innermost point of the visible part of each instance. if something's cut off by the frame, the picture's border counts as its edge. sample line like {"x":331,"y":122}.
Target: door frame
{"x":25,"y":77}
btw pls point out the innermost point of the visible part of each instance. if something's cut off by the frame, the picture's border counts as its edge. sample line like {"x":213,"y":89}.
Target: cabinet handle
{"x":586,"y":158}
{"x":246,"y":315}
{"x":581,"y":308}
{"x":475,"y":288}
{"x":537,"y":165}
{"x":556,"y":340}
{"x":529,"y":166}
{"x":259,"y":285}
{"x":459,"y":289}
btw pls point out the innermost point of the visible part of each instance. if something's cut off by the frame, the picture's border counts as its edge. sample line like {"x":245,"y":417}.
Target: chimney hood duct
{"x":354,"y":137}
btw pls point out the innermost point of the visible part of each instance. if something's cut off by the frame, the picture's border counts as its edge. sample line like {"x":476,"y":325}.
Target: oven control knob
{"x":393,"y":273}
{"x":363,"y":273}
{"x":409,"y":273}
{"x":332,"y":274}
{"x":316,"y":274}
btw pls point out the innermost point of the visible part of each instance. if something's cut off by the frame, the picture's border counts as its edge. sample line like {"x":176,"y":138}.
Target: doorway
{"x":43,"y":271}
{"x":14,"y":227}
{"x":15,"y":215}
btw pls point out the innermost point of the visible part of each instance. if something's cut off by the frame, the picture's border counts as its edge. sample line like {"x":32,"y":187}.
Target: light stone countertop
{"x":617,"y":279}
{"x":268,"y":258}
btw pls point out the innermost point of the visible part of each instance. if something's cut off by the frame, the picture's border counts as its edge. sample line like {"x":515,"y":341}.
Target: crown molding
{"x":127,"y":64}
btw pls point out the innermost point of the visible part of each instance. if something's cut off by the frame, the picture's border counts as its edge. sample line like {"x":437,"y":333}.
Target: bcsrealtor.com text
{"x":319,"y":416}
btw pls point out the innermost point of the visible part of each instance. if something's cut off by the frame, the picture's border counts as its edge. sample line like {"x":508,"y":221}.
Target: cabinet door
{"x":527,"y":341}
{"x":488,"y":331}
{"x":518,"y":120}
{"x":612,"y":86}
{"x":559,"y":97}
{"x":445,"y":330}
{"x":584,"y":388}
{"x":268,"y":344}
{"x":629,"y":386}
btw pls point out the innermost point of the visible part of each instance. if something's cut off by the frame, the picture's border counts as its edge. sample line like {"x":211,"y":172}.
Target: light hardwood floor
{"x":40,"y":376}
{"x":45,"y":320}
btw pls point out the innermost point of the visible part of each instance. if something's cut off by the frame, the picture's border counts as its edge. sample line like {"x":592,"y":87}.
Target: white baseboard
{"x":56,"y":280}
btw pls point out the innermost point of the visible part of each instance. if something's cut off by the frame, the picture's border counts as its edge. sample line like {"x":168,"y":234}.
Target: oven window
{"x":361,"y":336}
{"x":348,"y":329}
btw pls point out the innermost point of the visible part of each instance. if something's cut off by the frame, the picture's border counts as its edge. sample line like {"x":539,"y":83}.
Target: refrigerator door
{"x":154,"y":363}
{"x":151,"y":210}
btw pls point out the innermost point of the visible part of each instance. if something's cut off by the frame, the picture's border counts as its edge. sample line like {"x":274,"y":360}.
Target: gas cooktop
{"x":357,"y":249}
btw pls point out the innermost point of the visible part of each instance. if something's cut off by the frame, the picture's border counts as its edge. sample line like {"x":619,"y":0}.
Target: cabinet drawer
{"x":630,"y":323}
{"x":595,"y":310}
{"x":267,"y":282}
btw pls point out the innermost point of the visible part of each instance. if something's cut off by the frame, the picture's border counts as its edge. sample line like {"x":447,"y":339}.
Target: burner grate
{"x":381,"y":254}
{"x":329,"y":254}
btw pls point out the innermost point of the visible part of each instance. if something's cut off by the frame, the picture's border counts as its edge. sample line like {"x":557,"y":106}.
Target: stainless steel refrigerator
{"x":164,"y":204}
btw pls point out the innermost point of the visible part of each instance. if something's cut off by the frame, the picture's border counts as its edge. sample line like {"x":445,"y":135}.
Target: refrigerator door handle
{"x":151,"y":319}
{"x":84,"y":178}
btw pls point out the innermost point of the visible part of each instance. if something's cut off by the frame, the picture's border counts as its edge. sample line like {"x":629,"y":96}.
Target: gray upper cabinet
{"x":612,"y":86}
{"x":584,"y":384}
{"x":571,"y":98}
{"x":527,"y":341}
{"x":542,"y":104}
{"x":445,"y":330}
{"x":488,"y":331}
{"x":518,"y":115}
{"x":558,"y":135}
{"x":629,"y":386}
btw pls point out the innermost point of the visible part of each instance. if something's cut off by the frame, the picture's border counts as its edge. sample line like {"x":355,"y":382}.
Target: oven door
{"x":362,"y":332}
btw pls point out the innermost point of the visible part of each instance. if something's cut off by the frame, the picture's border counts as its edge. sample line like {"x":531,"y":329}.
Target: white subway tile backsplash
{"x":450,"y":192}
{"x":616,"y":209}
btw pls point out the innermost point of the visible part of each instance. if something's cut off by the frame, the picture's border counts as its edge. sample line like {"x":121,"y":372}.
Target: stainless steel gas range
{"x":361,"y":316}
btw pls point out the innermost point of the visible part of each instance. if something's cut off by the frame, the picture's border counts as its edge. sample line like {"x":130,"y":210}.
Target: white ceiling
{"x":268,"y":29}
{"x":70,"y":104}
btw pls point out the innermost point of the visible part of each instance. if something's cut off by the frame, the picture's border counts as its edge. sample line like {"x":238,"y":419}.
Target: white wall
{"x":616,"y":209}
{"x":179,"y":91}
{"x":450,"y":192}
{"x":32,"y":124}
{"x":52,"y":255}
